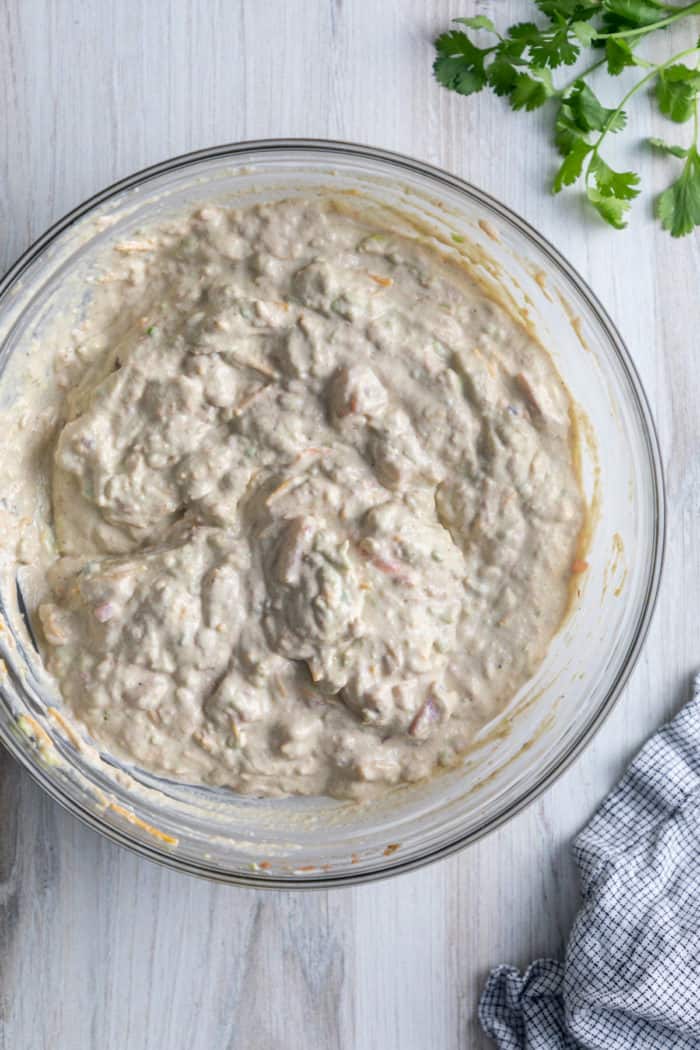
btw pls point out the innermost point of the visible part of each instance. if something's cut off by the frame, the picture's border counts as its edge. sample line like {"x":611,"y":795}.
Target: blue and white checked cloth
{"x":631,"y":977}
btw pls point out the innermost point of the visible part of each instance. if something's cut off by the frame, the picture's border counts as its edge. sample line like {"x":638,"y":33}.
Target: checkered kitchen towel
{"x":631,"y":977}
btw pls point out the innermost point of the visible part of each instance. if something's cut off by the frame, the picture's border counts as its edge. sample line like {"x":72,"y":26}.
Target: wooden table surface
{"x":100,"y":949}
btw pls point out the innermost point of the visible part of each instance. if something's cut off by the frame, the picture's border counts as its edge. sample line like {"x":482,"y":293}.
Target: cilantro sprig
{"x":518,"y":64}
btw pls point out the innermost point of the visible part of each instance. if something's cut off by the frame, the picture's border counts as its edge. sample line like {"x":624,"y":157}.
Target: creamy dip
{"x":314,"y":502}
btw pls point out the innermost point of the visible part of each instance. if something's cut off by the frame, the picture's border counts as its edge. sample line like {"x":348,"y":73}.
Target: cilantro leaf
{"x":611,"y":209}
{"x":619,"y":55}
{"x":554,"y":49}
{"x":678,"y":207}
{"x":566,"y":130}
{"x":460,"y":64}
{"x":572,"y":165}
{"x":664,"y":147}
{"x":610,"y":192}
{"x":584,"y":32}
{"x":512,"y":49}
{"x":677,"y":92}
{"x":635,"y":13}
{"x":525,"y":32}
{"x":529,"y":93}
{"x":624,"y":185}
{"x":588,"y":114}
{"x":568,"y":9}
{"x":477,"y":22}
{"x":501,"y":75}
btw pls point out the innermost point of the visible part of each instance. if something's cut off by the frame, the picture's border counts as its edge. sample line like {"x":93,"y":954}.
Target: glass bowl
{"x":321,"y":842}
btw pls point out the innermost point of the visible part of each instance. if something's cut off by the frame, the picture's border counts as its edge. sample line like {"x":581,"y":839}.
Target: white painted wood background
{"x":100,"y":949}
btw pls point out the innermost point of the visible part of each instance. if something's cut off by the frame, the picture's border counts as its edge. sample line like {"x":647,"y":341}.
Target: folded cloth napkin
{"x":631,"y":977}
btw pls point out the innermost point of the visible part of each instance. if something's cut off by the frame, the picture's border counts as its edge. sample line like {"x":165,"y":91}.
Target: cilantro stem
{"x":633,"y":91}
{"x":580,"y":76}
{"x":680,"y":12}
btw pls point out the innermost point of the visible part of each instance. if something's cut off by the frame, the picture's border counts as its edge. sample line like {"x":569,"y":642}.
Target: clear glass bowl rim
{"x":398,"y":161}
